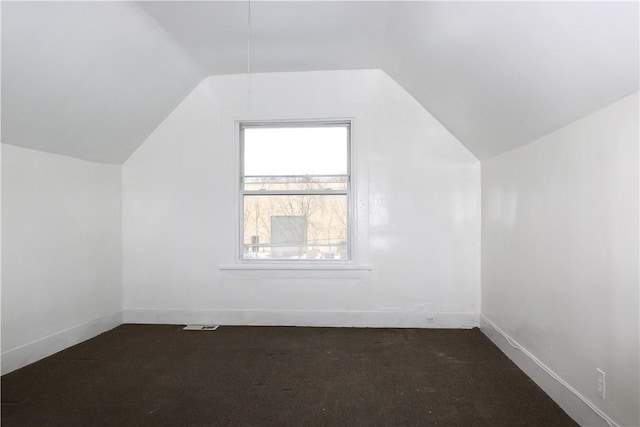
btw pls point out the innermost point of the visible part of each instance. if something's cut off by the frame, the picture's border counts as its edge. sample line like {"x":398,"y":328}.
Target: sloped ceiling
{"x":93,"y":79}
{"x":501,"y":74}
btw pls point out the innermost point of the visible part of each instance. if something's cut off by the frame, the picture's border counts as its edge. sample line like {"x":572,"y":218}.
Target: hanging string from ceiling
{"x":249,"y":52}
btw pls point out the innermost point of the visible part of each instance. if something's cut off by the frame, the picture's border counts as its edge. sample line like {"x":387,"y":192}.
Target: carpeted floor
{"x":160,"y":375}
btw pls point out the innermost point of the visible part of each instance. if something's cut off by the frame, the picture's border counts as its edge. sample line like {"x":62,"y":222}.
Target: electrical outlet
{"x":601,"y":384}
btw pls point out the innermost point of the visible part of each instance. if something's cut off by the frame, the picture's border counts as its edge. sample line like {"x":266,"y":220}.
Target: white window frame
{"x":348,"y":192}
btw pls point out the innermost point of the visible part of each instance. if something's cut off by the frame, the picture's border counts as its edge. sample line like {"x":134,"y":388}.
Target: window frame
{"x":348,"y":192}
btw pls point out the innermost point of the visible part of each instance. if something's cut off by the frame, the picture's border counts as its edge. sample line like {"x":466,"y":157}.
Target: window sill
{"x":287,"y":266}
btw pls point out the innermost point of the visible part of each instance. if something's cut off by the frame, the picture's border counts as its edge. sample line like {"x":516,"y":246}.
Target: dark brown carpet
{"x":160,"y":375}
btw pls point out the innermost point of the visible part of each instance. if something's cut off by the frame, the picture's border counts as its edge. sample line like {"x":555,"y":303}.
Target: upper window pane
{"x":276,"y":151}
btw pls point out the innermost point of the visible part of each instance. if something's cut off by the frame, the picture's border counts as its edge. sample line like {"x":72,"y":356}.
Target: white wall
{"x":61,"y":253}
{"x":560,"y":256}
{"x":418,"y":197}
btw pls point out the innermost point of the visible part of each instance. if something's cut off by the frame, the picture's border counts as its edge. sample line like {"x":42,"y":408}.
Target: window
{"x":295,"y":191}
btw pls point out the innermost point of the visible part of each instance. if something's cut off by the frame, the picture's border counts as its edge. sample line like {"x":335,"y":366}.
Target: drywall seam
{"x":531,"y":358}
{"x":321,"y":318}
{"x":26,"y":354}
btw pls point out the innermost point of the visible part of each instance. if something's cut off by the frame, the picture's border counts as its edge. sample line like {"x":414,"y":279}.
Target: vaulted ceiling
{"x":93,"y":79}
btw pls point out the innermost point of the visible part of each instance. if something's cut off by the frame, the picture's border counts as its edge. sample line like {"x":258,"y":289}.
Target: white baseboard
{"x":569,"y":399}
{"x":363,"y":319}
{"x":26,"y":354}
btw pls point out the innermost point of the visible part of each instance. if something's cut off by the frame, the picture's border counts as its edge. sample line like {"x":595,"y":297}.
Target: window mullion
{"x":295,"y":192}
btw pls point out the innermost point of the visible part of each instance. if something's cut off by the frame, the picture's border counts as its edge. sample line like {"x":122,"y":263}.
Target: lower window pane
{"x":301,"y":227}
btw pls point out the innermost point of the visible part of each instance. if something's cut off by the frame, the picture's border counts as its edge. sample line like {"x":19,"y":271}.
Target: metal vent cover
{"x":201,"y":327}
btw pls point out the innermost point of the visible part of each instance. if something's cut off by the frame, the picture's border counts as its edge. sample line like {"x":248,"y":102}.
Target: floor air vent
{"x":201,"y":327}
